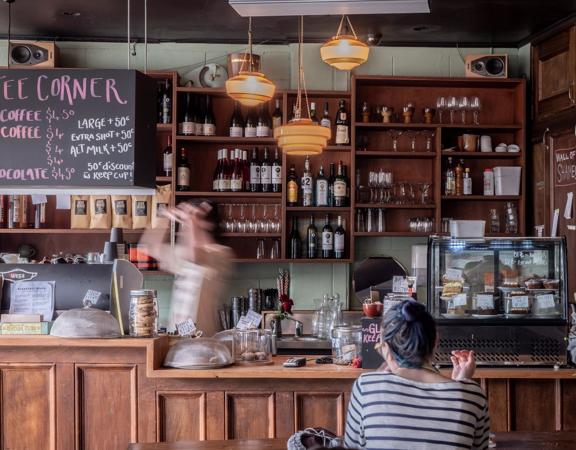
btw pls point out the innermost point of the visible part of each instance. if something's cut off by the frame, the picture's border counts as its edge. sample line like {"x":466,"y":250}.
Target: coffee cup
{"x":10,"y":258}
{"x":485,"y":144}
{"x":501,"y":148}
{"x":470,"y":142}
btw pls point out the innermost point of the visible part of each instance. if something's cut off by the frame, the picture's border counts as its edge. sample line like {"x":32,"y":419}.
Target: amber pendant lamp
{"x":249,"y":87}
{"x":301,"y":136}
{"x":344,"y":51}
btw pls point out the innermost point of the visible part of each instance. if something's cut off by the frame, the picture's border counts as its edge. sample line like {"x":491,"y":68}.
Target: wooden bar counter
{"x":103,"y":394}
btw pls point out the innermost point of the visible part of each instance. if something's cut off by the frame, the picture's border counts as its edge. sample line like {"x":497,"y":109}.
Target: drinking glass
{"x":452,"y":105}
{"x":429,"y":136}
{"x":511,"y":221}
{"x":263,"y":225}
{"x":275,"y":224}
{"x":381,"y":223}
{"x":369,"y":221}
{"x":373,"y":185}
{"x":260,"y":249}
{"x":229,"y":221}
{"x":241,"y":224}
{"x":360,"y":223}
{"x":475,"y":107}
{"x":440,"y":107}
{"x":412,"y":134}
{"x":275,"y":250}
{"x":463,"y":106}
{"x":253,"y":222}
{"x":425,"y":191}
{"x":395,"y":135}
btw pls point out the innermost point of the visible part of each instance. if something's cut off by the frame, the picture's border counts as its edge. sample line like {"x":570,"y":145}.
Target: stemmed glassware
{"x":440,"y":107}
{"x":452,"y":106}
{"x":463,"y":106}
{"x":412,"y":134}
{"x":475,"y":107}
{"x":395,"y":135}
{"x":429,"y":136}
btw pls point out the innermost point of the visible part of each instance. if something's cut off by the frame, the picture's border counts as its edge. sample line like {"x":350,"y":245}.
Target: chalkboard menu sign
{"x":371,"y":358}
{"x":77,"y":128}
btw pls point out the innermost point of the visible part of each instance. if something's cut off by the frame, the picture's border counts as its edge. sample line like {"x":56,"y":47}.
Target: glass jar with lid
{"x":546,"y":305}
{"x":346,"y":342}
{"x":517,"y":303}
{"x":253,"y":346}
{"x":143,"y":315}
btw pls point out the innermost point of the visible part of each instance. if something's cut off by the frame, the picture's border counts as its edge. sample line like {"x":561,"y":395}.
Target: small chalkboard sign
{"x":73,"y":128}
{"x":371,"y":358}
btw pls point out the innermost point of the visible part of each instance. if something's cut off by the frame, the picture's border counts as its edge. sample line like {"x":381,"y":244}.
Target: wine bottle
{"x":342,"y":128}
{"x":266,"y":172}
{"x":198,"y":116}
{"x":167,"y":103}
{"x":467,"y":182}
{"x":347,"y":181}
{"x":263,"y":124}
{"x":237,"y":176}
{"x":24,"y":203}
{"x":450,"y":179}
{"x":339,"y":240}
{"x":292,"y":197}
{"x":226,"y":173}
{"x":321,"y":189}
{"x":325,"y":121}
{"x":327,"y":240}
{"x":313,"y":115}
{"x":40,"y":215}
{"x":13,"y":211}
{"x":331,"y":180}
{"x":295,"y":242}
{"x":251,"y":124}
{"x":340,"y":187}
{"x":276,"y":173}
{"x":3,"y":211}
{"x":255,"y":180}
{"x":183,"y":171}
{"x":216,"y":176}
{"x":188,"y":127}
{"x":209,"y":124}
{"x":277,"y":115}
{"x":307,"y":184}
{"x":236,"y":122}
{"x":312,"y":239}
{"x":159,"y":102}
{"x":167,"y":158}
{"x":459,"y":176}
{"x":246,"y":170}
{"x":365,"y":112}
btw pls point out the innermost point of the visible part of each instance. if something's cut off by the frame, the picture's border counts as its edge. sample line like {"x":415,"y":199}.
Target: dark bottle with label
{"x":263,"y":125}
{"x":325,"y":121}
{"x":313,"y":115}
{"x":347,"y":181}
{"x":187,"y":126}
{"x":236,"y":174}
{"x":167,"y":158}
{"x":255,"y":181}
{"x":331,"y":180}
{"x":339,"y":240}
{"x":327,"y":240}
{"x":321,"y":194}
{"x":277,"y":115}
{"x":266,"y":173}
{"x":236,"y":122}
{"x":159,"y":100}
{"x":251,"y":124}
{"x":246,"y":170}
{"x":312,"y":239}
{"x":198,"y":115}
{"x":295,"y":242}
{"x":3,"y":211}
{"x":167,"y":103}
{"x":276,"y":173}
{"x":292,"y":193}
{"x":342,"y":128}
{"x":183,"y":172}
{"x":307,"y":184}
{"x":340,"y":188}
{"x":209,"y":123}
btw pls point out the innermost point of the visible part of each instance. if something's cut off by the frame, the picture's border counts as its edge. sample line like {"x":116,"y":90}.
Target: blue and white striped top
{"x":390,"y":412}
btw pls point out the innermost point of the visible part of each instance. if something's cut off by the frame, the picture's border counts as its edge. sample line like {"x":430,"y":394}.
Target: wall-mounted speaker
{"x":33,"y":54}
{"x":487,"y":66}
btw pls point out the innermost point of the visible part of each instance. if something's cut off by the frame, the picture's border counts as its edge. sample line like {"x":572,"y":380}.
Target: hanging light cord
{"x":9,"y":30}
{"x":301,"y":76}
{"x":146,"y":36}
{"x":128,"y":33}
{"x":348,"y":23}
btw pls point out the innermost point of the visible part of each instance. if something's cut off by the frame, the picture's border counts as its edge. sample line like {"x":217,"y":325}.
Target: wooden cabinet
{"x":554,"y":74}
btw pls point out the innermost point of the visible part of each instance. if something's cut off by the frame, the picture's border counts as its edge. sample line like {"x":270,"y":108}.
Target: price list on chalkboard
{"x":76,"y":128}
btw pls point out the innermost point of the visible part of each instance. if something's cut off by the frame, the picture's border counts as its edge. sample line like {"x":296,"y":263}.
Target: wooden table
{"x":559,"y":440}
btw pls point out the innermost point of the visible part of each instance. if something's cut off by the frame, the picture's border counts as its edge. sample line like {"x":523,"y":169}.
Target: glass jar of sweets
{"x":346,"y":342}
{"x":143,"y":313}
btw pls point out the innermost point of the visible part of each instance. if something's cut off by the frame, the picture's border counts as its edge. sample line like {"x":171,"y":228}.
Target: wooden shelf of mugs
{"x":484,"y":155}
{"x":228,"y":140}
{"x":62,"y":231}
{"x":392,"y":154}
{"x":489,"y":198}
{"x":392,"y":206}
{"x":239,"y":195}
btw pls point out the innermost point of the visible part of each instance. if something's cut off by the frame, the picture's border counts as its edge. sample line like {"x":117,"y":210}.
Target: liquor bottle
{"x":263,"y":124}
{"x":3,"y":211}
{"x":292,"y":179}
{"x":246,"y":170}
{"x":23,"y":219}
{"x":295,"y":243}
{"x":255,"y":180}
{"x":321,"y":189}
{"x":450,"y":179}
{"x":188,"y":126}
{"x":325,"y":121}
{"x":347,"y":181}
{"x":327,"y":240}
{"x":313,"y":115}
{"x":276,"y":173}
{"x":251,"y":124}
{"x":277,"y":115}
{"x":237,"y":175}
{"x":198,"y":116}
{"x":209,"y":123}
{"x":340,"y":187}
{"x":13,"y":211}
{"x":216,"y":176}
{"x":365,"y":112}
{"x":339,"y":240}
{"x":159,"y":102}
{"x":236,"y":122}
{"x":331,"y":180}
{"x":467,"y":182}
{"x":183,"y":171}
{"x":167,"y":158}
{"x":225,"y":177}
{"x":342,"y":128}
{"x":312,"y":239}
{"x":459,"y":177}
{"x":307,"y":184}
{"x":266,"y":172}
{"x":40,"y":215}
{"x":167,"y":103}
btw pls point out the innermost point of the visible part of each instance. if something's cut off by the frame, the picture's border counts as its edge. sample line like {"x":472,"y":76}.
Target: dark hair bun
{"x":412,"y":310}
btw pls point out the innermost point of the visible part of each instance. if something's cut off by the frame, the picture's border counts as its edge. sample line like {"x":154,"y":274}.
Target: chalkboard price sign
{"x":74,"y":128}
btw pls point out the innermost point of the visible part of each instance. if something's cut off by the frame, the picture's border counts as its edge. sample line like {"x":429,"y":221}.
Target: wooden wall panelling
{"x":65,"y":406}
{"x":567,"y":408}
{"x":28,"y":406}
{"x":498,"y":404}
{"x":250,"y":415}
{"x":533,"y":405}
{"x":215,"y":416}
{"x":285,"y":425}
{"x":106,"y":406}
{"x":320,"y":409}
{"x":181,"y":415}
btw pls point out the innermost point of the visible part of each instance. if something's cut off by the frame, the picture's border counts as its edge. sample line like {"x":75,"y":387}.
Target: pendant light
{"x":250,"y":88}
{"x":301,"y":136}
{"x":344,"y":51}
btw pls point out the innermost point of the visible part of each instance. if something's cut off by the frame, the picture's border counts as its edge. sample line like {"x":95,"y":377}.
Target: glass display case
{"x":506,"y":298}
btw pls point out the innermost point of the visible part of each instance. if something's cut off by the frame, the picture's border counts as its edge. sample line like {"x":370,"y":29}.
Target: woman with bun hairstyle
{"x":409,"y":404}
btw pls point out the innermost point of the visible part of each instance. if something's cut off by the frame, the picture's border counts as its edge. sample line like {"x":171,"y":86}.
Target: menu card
{"x":33,"y":297}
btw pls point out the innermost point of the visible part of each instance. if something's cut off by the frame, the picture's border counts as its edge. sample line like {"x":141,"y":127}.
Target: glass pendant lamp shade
{"x":302,"y":137}
{"x":250,"y":88}
{"x":344,"y":51}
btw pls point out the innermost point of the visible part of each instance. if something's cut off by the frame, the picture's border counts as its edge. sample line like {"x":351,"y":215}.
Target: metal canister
{"x":236,"y":308}
{"x":254,"y":303}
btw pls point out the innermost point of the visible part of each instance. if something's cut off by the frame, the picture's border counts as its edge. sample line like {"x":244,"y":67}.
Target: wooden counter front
{"x":103,"y":394}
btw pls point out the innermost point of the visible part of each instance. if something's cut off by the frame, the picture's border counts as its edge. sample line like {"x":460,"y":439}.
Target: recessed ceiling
{"x":464,"y":22}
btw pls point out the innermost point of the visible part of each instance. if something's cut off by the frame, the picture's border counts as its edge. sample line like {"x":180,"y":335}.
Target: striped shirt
{"x":390,"y":412}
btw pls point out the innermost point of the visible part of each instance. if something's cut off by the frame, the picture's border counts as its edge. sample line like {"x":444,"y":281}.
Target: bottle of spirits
{"x":331,"y":180}
{"x":251,"y":124}
{"x":292,"y":197}
{"x":263,"y":125}
{"x":276,"y":173}
{"x":307,"y":184}
{"x":327,"y":240}
{"x":13,"y":211}
{"x":277,"y":115}
{"x":340,"y":187}
{"x":312,"y":239}
{"x":347,"y":181}
{"x":246,"y":170}
{"x":255,"y":181}
{"x":225,"y":178}
{"x":313,"y":115}
{"x":450,"y":179}
{"x":342,"y":128}
{"x":23,"y":219}
{"x":167,"y":103}
{"x":365,"y":112}
{"x":325,"y":121}
{"x":188,"y":127}
{"x":266,"y":173}
{"x":159,"y":102}
{"x":467,"y":182}
{"x":3,"y":211}
{"x":459,"y":177}
{"x":236,"y":122}
{"x":321,"y":189}
{"x":295,"y":242}
{"x":183,"y":172}
{"x":167,"y":158}
{"x":40,"y":215}
{"x":237,"y":175}
{"x":209,"y":124}
{"x":339,"y":240}
{"x":217,"y":171}
{"x":199,"y":116}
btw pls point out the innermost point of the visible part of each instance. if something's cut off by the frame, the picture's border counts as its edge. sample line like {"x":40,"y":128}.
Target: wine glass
{"x":463,"y":106}
{"x":260,"y":249}
{"x":263,"y":224}
{"x":229,"y":221}
{"x":475,"y":107}
{"x":440,"y":107}
{"x":253,"y":222}
{"x":428,"y":135}
{"x":241,"y":223}
{"x":373,"y":184}
{"x":395,"y":135}
{"x":452,"y":105}
{"x":275,"y":222}
{"x":412,"y":134}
